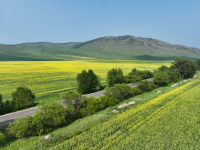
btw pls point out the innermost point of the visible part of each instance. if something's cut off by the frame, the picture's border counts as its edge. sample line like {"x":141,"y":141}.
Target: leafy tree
{"x":22,"y":97}
{"x":119,"y":91}
{"x":87,"y":82}
{"x":135,"y":91}
{"x":109,"y":101}
{"x":1,"y":98}
{"x":91,"y":106}
{"x":145,"y":74}
{"x":2,"y":138}
{"x":186,"y":68}
{"x":115,"y":76}
{"x":198,"y":64}
{"x":162,"y":69}
{"x":173,"y":76}
{"x":72,"y":98}
{"x":145,"y":86}
{"x":161,"y":79}
{"x":49,"y":116}
{"x":22,"y":127}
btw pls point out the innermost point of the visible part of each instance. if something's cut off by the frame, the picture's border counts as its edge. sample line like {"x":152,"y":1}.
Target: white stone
{"x":48,"y":137}
{"x":132,"y":102}
{"x":184,"y":80}
{"x":159,"y":91}
{"x":114,"y":111}
{"x":123,"y":105}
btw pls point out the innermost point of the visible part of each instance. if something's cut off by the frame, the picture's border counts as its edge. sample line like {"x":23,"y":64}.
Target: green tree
{"x":1,"y":99}
{"x":22,"y":97}
{"x":115,"y":76}
{"x":2,"y":138}
{"x":198,"y":64}
{"x":87,"y":82}
{"x":72,"y":98}
{"x":145,"y":86}
{"x":186,"y":68}
{"x":119,"y":91}
{"x":173,"y":76}
{"x":161,"y":79}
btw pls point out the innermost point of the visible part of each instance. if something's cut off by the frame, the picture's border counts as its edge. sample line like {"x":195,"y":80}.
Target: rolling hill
{"x":117,"y":48}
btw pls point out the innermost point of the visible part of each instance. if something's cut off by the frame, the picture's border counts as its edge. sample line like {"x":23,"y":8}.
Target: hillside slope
{"x":121,"y":47}
{"x":170,"y":121}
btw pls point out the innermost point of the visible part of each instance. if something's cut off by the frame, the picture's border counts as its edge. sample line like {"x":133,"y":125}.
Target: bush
{"x":137,"y":75}
{"x":135,"y":91}
{"x":52,"y":114}
{"x":173,"y":76}
{"x":49,"y":116}
{"x":186,"y":68}
{"x":161,"y":79}
{"x":72,"y":98}
{"x":145,"y":86}
{"x":87,"y":82}
{"x":5,"y":107}
{"x":2,"y":138}
{"x":22,"y":97}
{"x":91,"y":106}
{"x":109,"y":101}
{"x":115,"y":76}
{"x":22,"y":127}
{"x":135,"y":79}
{"x":119,"y":91}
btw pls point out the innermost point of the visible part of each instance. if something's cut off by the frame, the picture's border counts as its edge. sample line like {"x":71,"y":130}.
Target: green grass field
{"x":45,"y":78}
{"x":151,"y":110}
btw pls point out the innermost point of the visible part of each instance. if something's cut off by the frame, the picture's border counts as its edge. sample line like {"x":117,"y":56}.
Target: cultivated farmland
{"x":46,"y":77}
{"x":170,"y":121}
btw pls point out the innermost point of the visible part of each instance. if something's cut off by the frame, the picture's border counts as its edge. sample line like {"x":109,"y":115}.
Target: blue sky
{"x":173,"y":21}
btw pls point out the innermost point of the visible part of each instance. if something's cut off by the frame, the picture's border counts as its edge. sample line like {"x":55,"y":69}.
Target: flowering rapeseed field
{"x":169,"y":121}
{"x":45,"y":77}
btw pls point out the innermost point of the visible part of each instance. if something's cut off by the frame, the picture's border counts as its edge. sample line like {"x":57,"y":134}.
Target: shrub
{"x":119,"y":91}
{"x":135,"y":91}
{"x":52,"y":114}
{"x":136,"y":79}
{"x":22,"y":97}
{"x":145,"y":86}
{"x":173,"y":76}
{"x":2,"y":138}
{"x":115,"y":76}
{"x":72,"y":98}
{"x":49,"y":116}
{"x":109,"y":101}
{"x":22,"y":127}
{"x":186,"y":68}
{"x":161,"y":79}
{"x":91,"y":106}
{"x":87,"y":82}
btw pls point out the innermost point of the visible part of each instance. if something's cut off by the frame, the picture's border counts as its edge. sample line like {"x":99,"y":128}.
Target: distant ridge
{"x":109,"y":47}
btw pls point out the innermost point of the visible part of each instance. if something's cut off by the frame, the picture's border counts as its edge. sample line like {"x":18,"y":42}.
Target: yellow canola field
{"x":45,"y":77}
{"x":169,"y":121}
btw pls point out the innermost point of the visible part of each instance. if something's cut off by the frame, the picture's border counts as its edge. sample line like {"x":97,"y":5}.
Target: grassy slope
{"x":81,"y":125}
{"x":122,"y":47}
{"x":169,"y":121}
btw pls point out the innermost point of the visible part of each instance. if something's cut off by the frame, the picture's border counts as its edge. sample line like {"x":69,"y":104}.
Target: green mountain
{"x":121,"y":47}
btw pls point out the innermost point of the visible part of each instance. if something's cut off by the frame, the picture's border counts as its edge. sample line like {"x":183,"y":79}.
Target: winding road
{"x":4,"y":119}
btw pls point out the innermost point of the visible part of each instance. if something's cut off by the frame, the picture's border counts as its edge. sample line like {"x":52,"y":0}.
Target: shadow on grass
{"x":159,"y":58}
